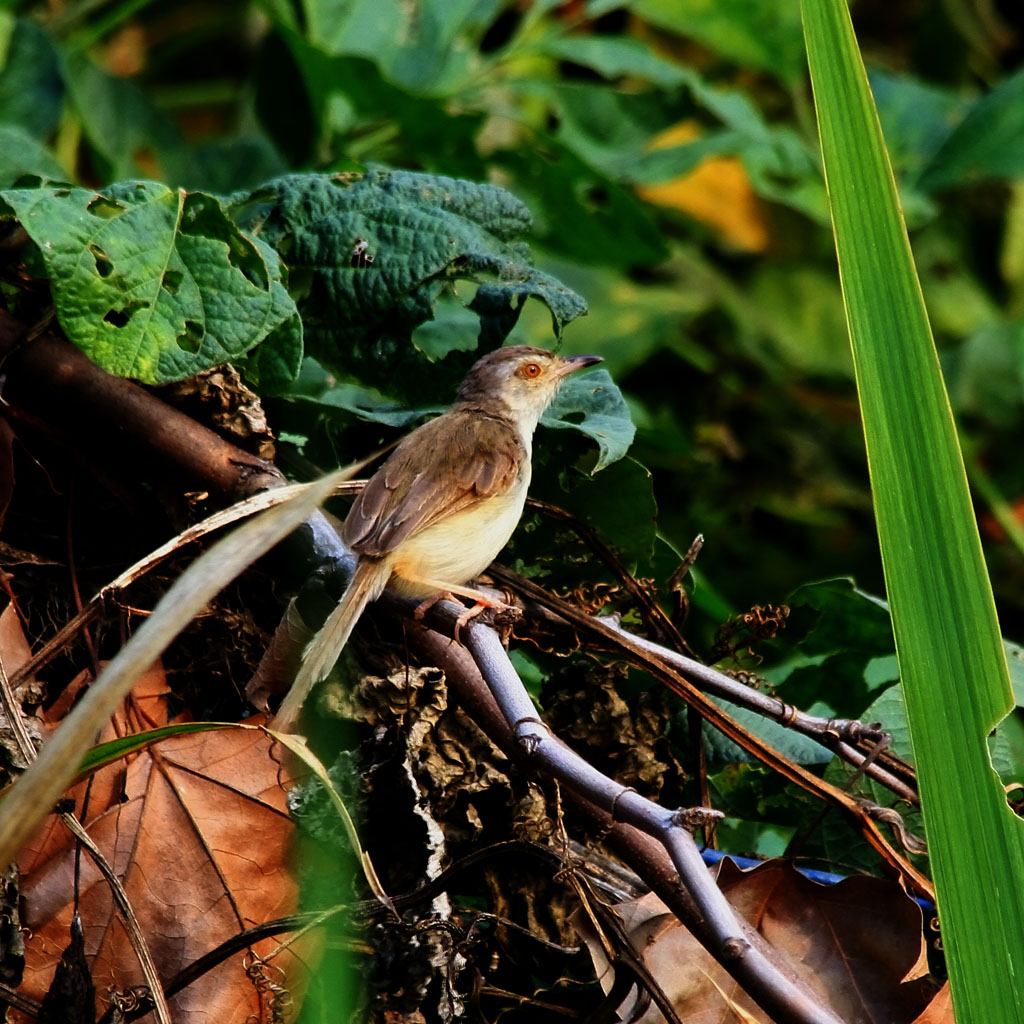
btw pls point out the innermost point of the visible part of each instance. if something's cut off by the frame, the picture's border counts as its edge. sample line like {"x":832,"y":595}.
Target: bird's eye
{"x":530,"y":370}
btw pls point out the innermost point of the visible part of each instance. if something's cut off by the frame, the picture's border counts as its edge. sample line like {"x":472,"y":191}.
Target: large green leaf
{"x":155,"y":283}
{"x":415,"y":46}
{"x":21,"y":154}
{"x":420,"y":234}
{"x":592,"y":404}
{"x":31,"y":87}
{"x":952,"y":665}
{"x":987,"y":143}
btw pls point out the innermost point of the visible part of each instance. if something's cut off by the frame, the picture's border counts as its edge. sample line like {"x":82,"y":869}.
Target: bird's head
{"x":521,"y":378}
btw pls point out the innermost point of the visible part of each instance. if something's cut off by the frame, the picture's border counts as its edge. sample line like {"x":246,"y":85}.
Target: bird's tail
{"x":366,"y":585}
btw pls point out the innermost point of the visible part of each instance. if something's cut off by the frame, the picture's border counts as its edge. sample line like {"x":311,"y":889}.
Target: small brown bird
{"x":446,"y":501}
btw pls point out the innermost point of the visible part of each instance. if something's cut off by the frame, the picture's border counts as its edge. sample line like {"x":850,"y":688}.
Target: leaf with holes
{"x":151,"y":282}
{"x":594,"y":405}
{"x":372,"y":255}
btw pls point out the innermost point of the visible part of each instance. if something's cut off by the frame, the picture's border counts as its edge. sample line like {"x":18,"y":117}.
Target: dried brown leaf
{"x":854,"y":943}
{"x":14,"y":647}
{"x":940,"y":1009}
{"x":14,"y":652}
{"x":197,"y":828}
{"x":219,"y":397}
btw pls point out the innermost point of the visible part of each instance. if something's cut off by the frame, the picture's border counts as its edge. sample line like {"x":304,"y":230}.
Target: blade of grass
{"x":951,"y":657}
{"x":113,"y":750}
{"x":297,"y":745}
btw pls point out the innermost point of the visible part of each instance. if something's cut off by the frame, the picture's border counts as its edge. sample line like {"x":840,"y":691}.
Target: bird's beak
{"x":572,"y":363}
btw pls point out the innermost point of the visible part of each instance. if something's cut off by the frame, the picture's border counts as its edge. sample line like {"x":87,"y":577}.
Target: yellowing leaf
{"x":716,"y":192}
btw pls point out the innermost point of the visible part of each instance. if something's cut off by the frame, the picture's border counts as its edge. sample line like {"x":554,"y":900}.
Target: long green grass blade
{"x":113,"y":750}
{"x":952,"y":664}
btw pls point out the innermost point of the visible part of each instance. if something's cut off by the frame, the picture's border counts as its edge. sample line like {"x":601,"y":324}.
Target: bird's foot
{"x":482,"y":604}
{"x":500,"y":615}
{"x":467,"y":616}
{"x":427,"y":603}
{"x":504,"y":615}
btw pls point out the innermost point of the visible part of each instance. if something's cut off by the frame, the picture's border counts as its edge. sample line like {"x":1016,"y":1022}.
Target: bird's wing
{"x":439,"y":469}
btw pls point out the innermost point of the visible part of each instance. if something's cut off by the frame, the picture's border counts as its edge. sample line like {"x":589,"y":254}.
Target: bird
{"x":444,"y":503}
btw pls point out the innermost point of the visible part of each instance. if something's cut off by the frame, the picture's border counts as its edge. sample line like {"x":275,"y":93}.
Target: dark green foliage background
{"x":733,"y":360}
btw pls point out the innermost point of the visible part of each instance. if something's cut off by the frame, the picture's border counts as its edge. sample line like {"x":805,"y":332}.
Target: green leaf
{"x":743,"y":31}
{"x":952,"y":665}
{"x":762,"y":810}
{"x":916,"y":118}
{"x":320,"y":390}
{"x":1015,"y":662}
{"x":113,"y":750}
{"x":127,"y":132}
{"x":582,"y":212}
{"x":849,"y":619}
{"x":1007,"y":742}
{"x":228,"y":164}
{"x":275,"y":363}
{"x":958,"y":300}
{"x":988,"y":142}
{"x":986,"y":374}
{"x":592,"y":404}
{"x":418,"y":234}
{"x":21,"y":154}
{"x":794,"y":745}
{"x":620,"y":505}
{"x":31,"y":86}
{"x":650,"y":314}
{"x":801,"y":309}
{"x":153,"y":283}
{"x":844,"y":654}
{"x":617,"y":56}
{"x":613,"y":130}
{"x":455,"y":326}
{"x":349,"y":95}
{"x":415,"y":46}
{"x":851,"y":852}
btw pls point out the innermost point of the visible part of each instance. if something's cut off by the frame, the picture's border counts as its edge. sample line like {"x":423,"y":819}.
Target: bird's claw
{"x":427,"y":603}
{"x":502,"y":616}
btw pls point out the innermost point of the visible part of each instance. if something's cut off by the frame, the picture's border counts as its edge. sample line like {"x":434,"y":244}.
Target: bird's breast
{"x":461,"y":546}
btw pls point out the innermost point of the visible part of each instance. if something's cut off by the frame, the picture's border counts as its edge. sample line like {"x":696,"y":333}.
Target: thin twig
{"x":650,"y":610}
{"x":15,"y":716}
{"x":838,"y":734}
{"x":527,"y":741}
{"x":131,"y":922}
